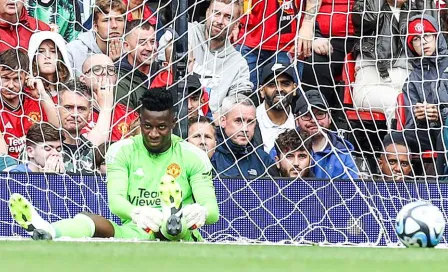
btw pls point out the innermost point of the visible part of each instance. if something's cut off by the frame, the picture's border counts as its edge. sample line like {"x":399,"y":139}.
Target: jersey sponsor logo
{"x":123,"y":127}
{"x":15,"y":145}
{"x":34,"y":116}
{"x":173,"y":170}
{"x":286,"y":15}
{"x":145,"y":198}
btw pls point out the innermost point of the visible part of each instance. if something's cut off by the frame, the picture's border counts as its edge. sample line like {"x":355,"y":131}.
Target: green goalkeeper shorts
{"x":131,"y":231}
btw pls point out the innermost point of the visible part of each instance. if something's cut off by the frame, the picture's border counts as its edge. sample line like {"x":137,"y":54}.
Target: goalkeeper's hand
{"x":147,"y":218}
{"x":194,"y":215}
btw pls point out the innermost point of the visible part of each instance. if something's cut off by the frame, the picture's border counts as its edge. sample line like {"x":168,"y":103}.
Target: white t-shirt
{"x":396,"y":12}
{"x":269,"y":130}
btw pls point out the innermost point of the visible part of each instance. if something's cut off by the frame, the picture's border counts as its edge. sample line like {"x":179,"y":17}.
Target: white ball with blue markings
{"x":420,"y":224}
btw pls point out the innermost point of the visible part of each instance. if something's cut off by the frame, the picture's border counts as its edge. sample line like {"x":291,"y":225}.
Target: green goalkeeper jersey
{"x":134,"y":174}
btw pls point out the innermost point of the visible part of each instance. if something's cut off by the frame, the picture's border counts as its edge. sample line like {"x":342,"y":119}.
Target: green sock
{"x":80,"y":226}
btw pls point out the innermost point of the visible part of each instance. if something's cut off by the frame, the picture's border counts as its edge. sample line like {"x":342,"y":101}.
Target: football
{"x":420,"y":224}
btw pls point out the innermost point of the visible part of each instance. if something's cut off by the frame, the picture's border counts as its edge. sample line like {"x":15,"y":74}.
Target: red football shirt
{"x":121,"y":122}
{"x":270,"y":24}
{"x":15,"y":123}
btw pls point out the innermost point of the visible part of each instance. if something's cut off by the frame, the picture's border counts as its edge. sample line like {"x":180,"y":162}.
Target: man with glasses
{"x":274,"y":115}
{"x":331,"y":154}
{"x":137,"y":68}
{"x":100,"y":68}
{"x":43,"y":149}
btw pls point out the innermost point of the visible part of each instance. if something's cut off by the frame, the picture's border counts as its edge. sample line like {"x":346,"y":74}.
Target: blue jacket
{"x":329,"y":164}
{"x":231,"y":160}
{"x":428,"y":80}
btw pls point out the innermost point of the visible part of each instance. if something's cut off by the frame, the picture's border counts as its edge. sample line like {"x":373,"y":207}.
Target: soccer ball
{"x":420,"y":224}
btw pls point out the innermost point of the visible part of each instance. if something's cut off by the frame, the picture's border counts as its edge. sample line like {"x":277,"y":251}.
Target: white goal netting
{"x":321,"y":118}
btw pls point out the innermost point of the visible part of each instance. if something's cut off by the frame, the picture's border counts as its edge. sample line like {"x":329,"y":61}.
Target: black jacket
{"x":383,"y":36}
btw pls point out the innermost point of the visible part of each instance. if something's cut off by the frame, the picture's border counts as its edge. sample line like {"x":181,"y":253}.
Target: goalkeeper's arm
{"x":118,"y":181}
{"x":202,"y":188}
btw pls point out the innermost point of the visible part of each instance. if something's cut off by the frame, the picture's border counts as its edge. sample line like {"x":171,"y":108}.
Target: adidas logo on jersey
{"x":8,"y":125}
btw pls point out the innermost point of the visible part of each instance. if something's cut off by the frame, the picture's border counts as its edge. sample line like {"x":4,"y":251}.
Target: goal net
{"x":282,"y":96}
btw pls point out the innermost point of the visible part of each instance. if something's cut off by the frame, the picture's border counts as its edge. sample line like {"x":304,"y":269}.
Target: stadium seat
{"x":366,"y":128}
{"x":348,"y":76}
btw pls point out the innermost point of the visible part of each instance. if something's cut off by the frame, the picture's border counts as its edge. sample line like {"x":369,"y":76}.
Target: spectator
{"x":100,"y":157}
{"x":99,"y":70}
{"x":135,"y":128}
{"x":197,"y":97}
{"x":334,"y":18}
{"x":6,"y":161}
{"x":105,"y":38}
{"x":16,"y":27}
{"x":275,"y":115}
{"x":137,"y":10}
{"x":222,"y":69}
{"x":426,"y":90}
{"x":202,"y":134}
{"x":61,"y":15}
{"x":395,"y":162}
{"x":138,"y":65}
{"x":21,"y":107}
{"x":43,"y":149}
{"x":294,"y":154}
{"x":74,"y":111}
{"x":49,"y":60}
{"x":331,"y":154}
{"x":381,"y":60}
{"x":235,"y":155}
{"x":267,"y":32}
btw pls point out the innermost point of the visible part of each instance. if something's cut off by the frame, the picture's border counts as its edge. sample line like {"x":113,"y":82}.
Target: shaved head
{"x":96,"y":69}
{"x":97,"y":59}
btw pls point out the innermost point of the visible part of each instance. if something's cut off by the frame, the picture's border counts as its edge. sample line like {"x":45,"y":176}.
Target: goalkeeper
{"x":158,"y":185}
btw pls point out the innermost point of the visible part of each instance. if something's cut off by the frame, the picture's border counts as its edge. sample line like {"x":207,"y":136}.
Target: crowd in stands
{"x":263,"y":81}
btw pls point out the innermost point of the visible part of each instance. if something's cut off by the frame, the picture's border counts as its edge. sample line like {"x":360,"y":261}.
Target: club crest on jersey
{"x":123,"y":128}
{"x":173,"y":170}
{"x":34,"y":116}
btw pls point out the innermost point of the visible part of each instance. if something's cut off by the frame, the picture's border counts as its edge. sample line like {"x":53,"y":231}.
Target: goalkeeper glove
{"x":147,"y":218}
{"x":194,"y":215}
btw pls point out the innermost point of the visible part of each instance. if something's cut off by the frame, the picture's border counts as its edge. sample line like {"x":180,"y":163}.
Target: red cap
{"x":418,"y":27}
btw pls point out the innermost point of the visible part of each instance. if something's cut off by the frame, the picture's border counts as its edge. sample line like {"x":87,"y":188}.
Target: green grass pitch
{"x":34,"y":256}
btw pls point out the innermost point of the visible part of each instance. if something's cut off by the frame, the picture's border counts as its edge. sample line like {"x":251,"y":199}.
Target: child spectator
{"x":21,"y":107}
{"x":49,"y":60}
{"x":43,"y":150}
{"x":294,"y":154}
{"x":331,"y":154}
{"x":426,"y":90}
